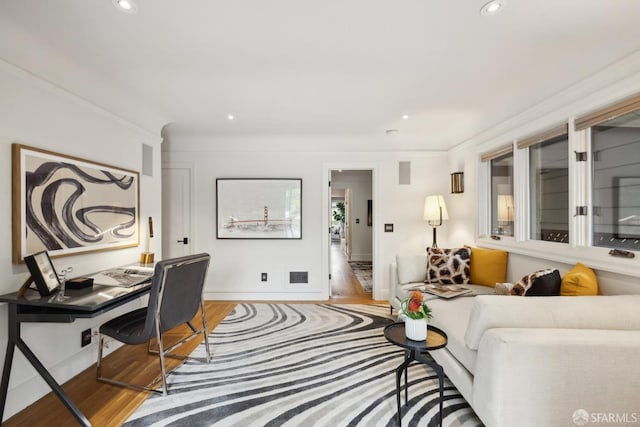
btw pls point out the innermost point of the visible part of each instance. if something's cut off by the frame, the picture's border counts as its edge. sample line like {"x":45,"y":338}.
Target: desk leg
{"x":16,"y":340}
{"x":6,"y":373}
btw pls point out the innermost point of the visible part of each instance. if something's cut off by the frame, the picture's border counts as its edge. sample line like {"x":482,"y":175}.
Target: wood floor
{"x":345,"y":287}
{"x":108,"y":405}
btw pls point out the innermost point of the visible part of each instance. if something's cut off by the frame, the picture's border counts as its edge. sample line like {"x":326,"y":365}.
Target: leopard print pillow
{"x":449,"y":266}
{"x":539,"y":283}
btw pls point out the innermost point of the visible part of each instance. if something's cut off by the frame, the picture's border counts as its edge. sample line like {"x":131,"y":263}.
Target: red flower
{"x":414,"y":307}
{"x":416,"y":295}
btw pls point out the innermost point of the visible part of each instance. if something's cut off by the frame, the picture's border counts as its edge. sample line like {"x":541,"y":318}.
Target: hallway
{"x":344,"y":284}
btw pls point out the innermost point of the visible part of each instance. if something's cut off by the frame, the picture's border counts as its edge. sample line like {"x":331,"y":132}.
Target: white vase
{"x":415,"y":329}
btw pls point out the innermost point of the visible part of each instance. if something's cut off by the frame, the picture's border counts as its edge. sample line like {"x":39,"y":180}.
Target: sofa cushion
{"x":488,"y":266}
{"x":448,"y":266}
{"x":411,"y":268}
{"x":580,"y":280}
{"x":539,"y":283}
{"x":618,"y":312}
{"x":452,"y":316}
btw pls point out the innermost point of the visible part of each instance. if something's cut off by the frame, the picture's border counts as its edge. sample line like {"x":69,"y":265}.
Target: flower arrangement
{"x":414,"y":306}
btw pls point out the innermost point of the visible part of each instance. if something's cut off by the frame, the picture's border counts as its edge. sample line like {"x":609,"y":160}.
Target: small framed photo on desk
{"x":42,"y":272}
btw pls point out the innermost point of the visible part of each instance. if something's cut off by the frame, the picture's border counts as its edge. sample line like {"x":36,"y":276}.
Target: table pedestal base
{"x":411,"y":356}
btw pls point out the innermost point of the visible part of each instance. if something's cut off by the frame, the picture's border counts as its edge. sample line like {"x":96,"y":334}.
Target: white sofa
{"x":535,"y":361}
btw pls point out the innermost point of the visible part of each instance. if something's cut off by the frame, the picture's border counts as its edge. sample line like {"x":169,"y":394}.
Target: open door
{"x":330,"y":233}
{"x":347,"y":223}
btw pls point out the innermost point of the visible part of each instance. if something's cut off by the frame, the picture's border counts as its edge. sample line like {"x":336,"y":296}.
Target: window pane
{"x":549,"y":190}
{"x":502,"y":195}
{"x":615,"y":149}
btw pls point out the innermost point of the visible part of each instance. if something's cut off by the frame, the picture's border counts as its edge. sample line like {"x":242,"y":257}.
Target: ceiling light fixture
{"x":405,"y":116}
{"x":127,"y":6}
{"x":231,"y":117}
{"x":492,"y":8}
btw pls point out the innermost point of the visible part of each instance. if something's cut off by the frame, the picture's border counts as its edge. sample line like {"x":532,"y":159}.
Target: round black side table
{"x":415,"y":351}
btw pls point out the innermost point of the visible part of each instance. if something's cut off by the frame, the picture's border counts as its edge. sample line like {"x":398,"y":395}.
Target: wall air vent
{"x":298,"y":277}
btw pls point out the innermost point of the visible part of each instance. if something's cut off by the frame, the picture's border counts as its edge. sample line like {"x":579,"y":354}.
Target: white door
{"x":176,"y":212}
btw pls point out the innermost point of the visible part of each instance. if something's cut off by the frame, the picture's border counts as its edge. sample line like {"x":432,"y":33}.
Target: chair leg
{"x":205,"y":331}
{"x":99,"y":362}
{"x":161,"y":354}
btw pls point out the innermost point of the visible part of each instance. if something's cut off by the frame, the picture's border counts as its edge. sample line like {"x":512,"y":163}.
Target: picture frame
{"x":43,"y":273}
{"x":66,"y":205}
{"x":259,"y":208}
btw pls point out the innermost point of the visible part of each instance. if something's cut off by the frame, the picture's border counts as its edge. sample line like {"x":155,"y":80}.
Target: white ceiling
{"x":292,"y":67}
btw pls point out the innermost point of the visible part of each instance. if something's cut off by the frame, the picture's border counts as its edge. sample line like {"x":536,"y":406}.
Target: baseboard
{"x":361,"y":257}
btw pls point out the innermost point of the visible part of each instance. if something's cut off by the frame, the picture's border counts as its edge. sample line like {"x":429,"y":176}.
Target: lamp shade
{"x":435,"y":209}
{"x":505,"y":207}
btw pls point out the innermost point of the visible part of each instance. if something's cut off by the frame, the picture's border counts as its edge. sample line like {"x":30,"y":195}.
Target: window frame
{"x":579,"y":248}
{"x":525,"y":147}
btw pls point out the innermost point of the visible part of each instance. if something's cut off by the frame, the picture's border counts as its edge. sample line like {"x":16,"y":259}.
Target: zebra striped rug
{"x":301,"y":365}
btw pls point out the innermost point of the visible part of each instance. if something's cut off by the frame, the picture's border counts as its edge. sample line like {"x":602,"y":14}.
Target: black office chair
{"x":176,"y":294}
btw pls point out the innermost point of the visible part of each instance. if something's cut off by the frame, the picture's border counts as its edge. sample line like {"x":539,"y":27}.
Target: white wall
{"x":361,"y":192}
{"x":237,"y":264}
{"x":35,"y":113}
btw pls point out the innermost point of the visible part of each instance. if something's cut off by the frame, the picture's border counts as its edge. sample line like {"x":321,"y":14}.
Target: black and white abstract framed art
{"x":66,"y":205}
{"x":259,"y":208}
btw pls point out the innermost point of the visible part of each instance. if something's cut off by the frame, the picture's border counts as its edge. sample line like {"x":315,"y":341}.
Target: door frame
{"x":378,"y":293}
{"x":192,"y":191}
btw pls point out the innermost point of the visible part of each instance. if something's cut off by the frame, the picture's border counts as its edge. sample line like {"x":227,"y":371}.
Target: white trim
{"x":521,"y":195}
{"x":483,"y":207}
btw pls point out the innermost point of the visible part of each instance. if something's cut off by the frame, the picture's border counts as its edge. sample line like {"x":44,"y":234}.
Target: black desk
{"x":31,"y":307}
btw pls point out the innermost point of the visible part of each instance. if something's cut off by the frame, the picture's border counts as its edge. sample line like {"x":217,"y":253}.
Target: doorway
{"x":351,"y":233}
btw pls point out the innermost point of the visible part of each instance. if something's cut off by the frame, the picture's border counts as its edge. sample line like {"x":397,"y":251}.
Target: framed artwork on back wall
{"x":259,"y":208}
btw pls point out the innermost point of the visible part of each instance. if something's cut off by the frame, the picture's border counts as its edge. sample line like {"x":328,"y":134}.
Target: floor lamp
{"x":435,"y":211}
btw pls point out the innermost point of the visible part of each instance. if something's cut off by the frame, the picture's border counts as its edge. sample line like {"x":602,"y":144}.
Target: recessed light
{"x":231,"y":117}
{"x":127,"y":6}
{"x":492,"y":8}
{"x":405,"y":116}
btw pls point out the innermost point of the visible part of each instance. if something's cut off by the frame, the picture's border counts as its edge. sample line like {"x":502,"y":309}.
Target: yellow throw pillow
{"x":580,"y":280}
{"x":488,"y":266}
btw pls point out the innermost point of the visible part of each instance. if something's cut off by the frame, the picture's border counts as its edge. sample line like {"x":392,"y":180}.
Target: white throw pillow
{"x":411,"y":268}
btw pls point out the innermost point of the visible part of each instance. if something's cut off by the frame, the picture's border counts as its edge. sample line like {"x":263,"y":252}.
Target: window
{"x":576,"y":187}
{"x":502,"y":207}
{"x":615,"y":154}
{"x":549,"y":190}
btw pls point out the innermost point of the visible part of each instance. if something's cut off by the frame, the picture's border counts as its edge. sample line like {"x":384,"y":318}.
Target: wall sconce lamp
{"x":435,"y":211}
{"x":457,"y":182}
